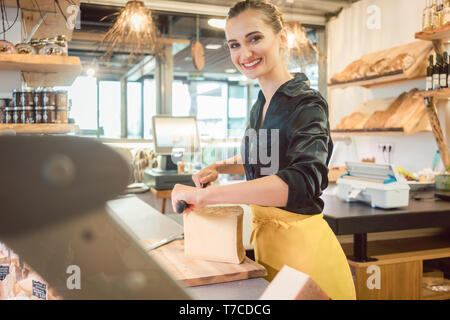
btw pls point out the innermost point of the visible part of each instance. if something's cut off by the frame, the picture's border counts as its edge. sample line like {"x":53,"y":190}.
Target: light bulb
{"x":136,"y":22}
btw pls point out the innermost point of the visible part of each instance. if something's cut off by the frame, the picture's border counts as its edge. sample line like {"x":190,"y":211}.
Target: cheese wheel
{"x":291,"y":284}
{"x":214,"y":234}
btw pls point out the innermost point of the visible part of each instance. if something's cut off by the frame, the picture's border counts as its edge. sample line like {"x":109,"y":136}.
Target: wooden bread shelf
{"x":45,"y":71}
{"x":441,"y":33}
{"x":375,"y":81}
{"x":439,"y":94}
{"x":41,"y":128}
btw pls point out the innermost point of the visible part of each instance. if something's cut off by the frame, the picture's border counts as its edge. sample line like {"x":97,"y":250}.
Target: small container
{"x":61,"y":99}
{"x":38,"y":114}
{"x":2,"y":114}
{"x":61,"y":115}
{"x":62,"y":42}
{"x":9,"y":112}
{"x":17,"y":98}
{"x":48,"y":97}
{"x":36,"y":44}
{"x":27,"y":97}
{"x":38,"y":98}
{"x":51,"y":49}
{"x":25,"y":48}
{"x":7,"y":47}
{"x":27,"y":115}
{"x":48,"y":115}
{"x":17,"y":115}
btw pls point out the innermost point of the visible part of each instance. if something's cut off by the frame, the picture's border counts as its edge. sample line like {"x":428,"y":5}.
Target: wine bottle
{"x":426,"y":18}
{"x":443,"y":72}
{"x":436,"y":72}
{"x":430,"y":74}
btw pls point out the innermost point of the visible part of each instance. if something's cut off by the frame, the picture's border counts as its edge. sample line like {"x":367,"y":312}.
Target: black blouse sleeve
{"x":307,"y":152}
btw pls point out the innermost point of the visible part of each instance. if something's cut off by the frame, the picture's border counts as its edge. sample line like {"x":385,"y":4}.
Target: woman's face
{"x":254,"y":46}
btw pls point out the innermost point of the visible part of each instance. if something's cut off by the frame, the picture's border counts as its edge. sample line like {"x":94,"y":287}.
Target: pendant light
{"x":134,"y":26}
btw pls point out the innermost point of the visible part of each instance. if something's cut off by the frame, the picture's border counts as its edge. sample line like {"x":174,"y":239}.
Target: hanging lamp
{"x":134,"y":27}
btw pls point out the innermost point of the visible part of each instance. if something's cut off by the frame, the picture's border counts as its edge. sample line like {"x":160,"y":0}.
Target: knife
{"x":165,"y":241}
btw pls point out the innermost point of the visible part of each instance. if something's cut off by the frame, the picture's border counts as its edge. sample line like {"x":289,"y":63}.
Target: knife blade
{"x":165,"y":241}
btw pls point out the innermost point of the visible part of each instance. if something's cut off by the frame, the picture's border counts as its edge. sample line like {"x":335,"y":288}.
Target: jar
{"x":2,"y":114}
{"x":17,"y":98}
{"x":27,"y":115}
{"x":48,"y":115}
{"x":9,"y":115}
{"x":51,"y":49}
{"x":62,"y":42}
{"x":17,"y":115}
{"x":27,"y":97}
{"x":25,"y":48}
{"x":38,"y":114}
{"x":38,"y":98}
{"x":48,"y":97}
{"x":61,"y":99}
{"x":36,"y":44}
{"x":61,"y":115}
{"x":7,"y":47}
{"x":4,"y":103}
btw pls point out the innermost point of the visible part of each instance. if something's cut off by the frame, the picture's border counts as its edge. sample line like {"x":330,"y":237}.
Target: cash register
{"x":173,"y":138}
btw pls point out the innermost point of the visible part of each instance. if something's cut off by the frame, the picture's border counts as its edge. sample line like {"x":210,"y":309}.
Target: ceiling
{"x":177,"y":19}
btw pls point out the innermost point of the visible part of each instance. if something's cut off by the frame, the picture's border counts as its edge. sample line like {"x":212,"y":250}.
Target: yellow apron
{"x":305,"y":243}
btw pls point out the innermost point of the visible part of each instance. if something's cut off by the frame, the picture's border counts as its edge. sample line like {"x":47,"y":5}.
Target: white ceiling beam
{"x":205,"y":9}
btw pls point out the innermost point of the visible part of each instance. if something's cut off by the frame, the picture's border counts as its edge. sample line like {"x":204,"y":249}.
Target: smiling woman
{"x":289,"y":122}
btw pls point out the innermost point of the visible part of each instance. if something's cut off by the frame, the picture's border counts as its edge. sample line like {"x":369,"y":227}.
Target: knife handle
{"x":181,"y":206}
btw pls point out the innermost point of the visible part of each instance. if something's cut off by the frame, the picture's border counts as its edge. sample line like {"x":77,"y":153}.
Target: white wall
{"x":349,"y":38}
{"x":10,"y":80}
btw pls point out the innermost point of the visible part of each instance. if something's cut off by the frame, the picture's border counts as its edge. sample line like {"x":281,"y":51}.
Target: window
{"x":83,"y":94}
{"x":237,"y":111}
{"x":109,"y":108}
{"x":134,"y":110}
{"x":149,"y":106}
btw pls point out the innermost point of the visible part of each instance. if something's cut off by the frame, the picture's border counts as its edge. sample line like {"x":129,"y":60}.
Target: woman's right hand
{"x":206,"y":175}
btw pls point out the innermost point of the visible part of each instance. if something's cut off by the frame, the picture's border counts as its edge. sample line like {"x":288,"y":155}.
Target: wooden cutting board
{"x":195,"y":272}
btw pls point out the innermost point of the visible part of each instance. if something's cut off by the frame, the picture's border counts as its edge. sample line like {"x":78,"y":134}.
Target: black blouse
{"x":296,"y":123}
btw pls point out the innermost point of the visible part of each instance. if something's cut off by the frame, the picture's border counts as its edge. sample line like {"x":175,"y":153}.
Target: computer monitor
{"x":175,"y":135}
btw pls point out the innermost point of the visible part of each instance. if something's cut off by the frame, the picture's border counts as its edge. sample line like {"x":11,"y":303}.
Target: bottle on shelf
{"x":434,"y":15}
{"x":440,"y":12}
{"x":430,"y":74}
{"x":443,"y":72}
{"x":436,"y":72}
{"x":446,"y":18}
{"x":426,"y":18}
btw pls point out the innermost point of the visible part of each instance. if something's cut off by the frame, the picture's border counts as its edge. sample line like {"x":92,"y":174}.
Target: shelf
{"x":45,"y":71}
{"x":439,"y":94}
{"x":380,"y":132}
{"x":441,"y":33}
{"x":375,"y":81}
{"x":41,"y":128}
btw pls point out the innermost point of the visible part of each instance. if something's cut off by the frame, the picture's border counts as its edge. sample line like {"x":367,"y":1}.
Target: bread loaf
{"x":405,"y":111}
{"x":379,"y":118}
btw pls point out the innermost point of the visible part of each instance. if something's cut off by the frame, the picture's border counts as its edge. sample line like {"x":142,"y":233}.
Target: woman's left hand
{"x":194,"y":197}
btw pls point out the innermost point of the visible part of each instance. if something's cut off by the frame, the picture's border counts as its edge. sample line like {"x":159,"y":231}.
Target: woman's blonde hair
{"x":273,"y":15}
